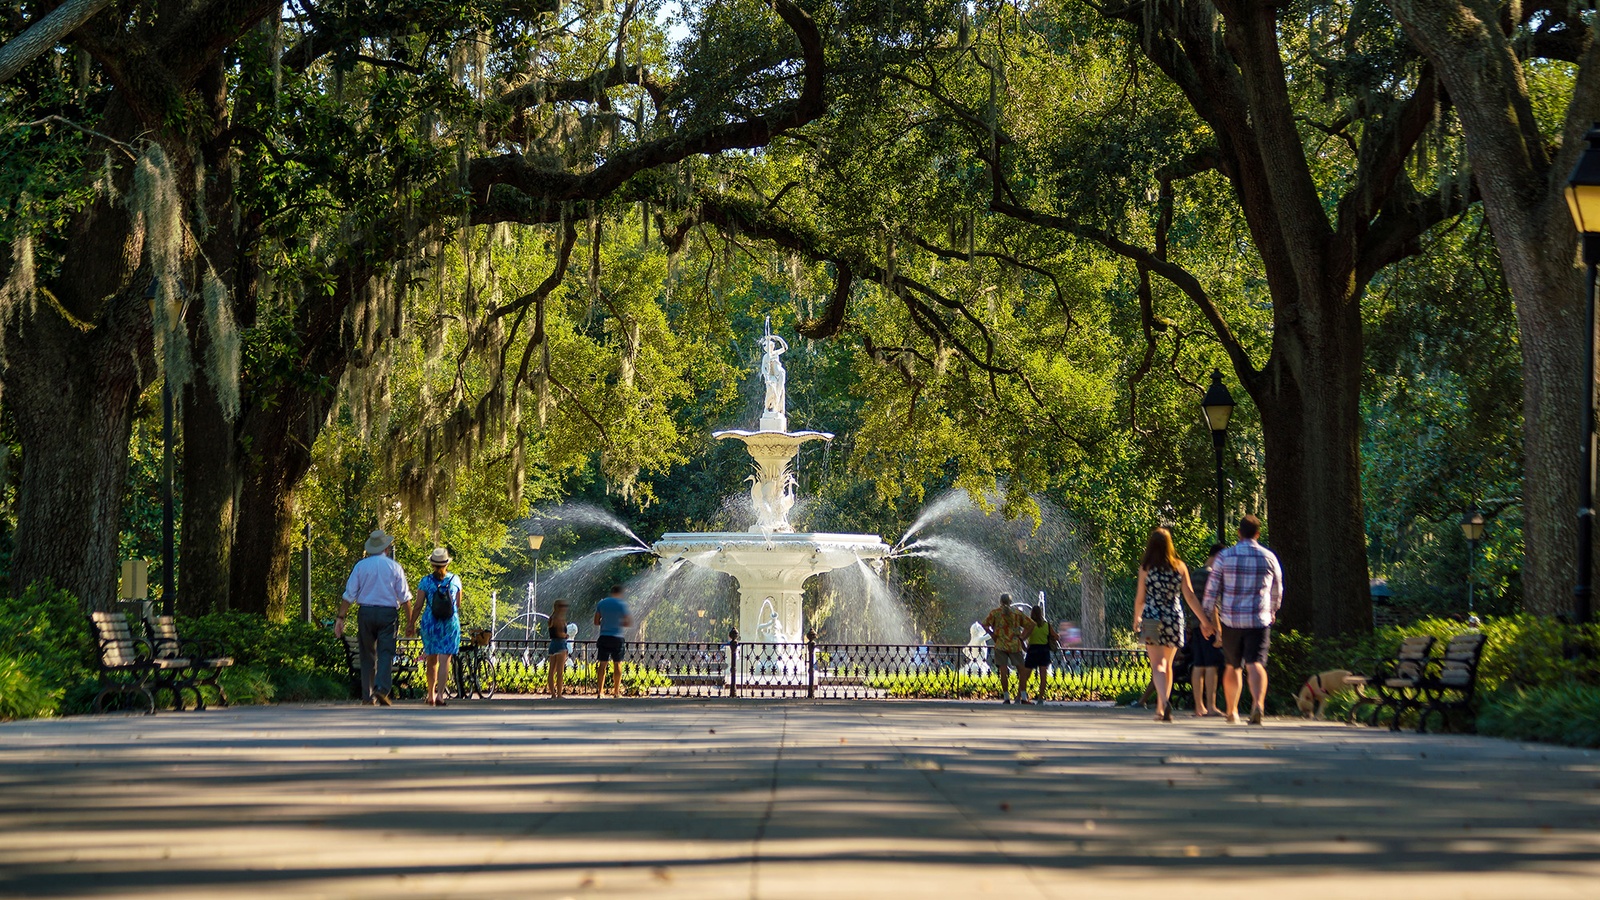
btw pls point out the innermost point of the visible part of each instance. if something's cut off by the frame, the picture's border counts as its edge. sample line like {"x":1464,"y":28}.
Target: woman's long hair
{"x":1158,"y":552}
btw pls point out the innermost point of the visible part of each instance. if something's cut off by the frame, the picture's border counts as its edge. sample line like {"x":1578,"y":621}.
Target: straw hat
{"x":440,"y":556}
{"x":377,"y":542}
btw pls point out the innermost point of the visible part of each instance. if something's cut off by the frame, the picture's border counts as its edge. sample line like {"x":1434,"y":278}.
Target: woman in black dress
{"x":1158,"y":612}
{"x":1205,"y":648}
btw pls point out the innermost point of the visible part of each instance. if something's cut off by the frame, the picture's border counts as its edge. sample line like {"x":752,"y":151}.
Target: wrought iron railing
{"x":810,"y":669}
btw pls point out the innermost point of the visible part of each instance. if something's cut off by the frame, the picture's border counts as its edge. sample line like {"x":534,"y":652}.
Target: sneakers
{"x":1255,"y":717}
{"x":1006,"y":700}
{"x":382,"y":699}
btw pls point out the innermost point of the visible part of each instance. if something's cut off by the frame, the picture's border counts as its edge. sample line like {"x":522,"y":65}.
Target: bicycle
{"x":475,"y":669}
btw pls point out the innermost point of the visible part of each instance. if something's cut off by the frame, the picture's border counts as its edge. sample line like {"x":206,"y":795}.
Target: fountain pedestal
{"x":771,"y":567}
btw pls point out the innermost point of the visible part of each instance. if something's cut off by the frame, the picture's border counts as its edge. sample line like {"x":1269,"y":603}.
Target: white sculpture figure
{"x":976,"y":651}
{"x":773,"y":374}
{"x":772,"y":500}
{"x":771,"y":630}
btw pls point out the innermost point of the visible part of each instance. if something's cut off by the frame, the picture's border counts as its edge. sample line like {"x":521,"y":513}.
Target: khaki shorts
{"x":1006,"y":660}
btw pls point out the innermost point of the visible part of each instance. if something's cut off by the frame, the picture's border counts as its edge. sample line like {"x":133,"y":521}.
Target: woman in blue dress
{"x":439,"y":609}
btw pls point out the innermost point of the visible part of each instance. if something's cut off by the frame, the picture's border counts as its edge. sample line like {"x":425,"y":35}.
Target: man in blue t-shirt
{"x":611,"y":614}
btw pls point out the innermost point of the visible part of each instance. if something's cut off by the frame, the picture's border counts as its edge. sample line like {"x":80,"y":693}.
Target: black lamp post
{"x":1218,"y":407}
{"x":1472,"y":530}
{"x":1583,"y":198}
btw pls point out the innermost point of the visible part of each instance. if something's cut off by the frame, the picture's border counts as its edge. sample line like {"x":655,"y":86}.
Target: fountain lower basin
{"x":771,"y":568}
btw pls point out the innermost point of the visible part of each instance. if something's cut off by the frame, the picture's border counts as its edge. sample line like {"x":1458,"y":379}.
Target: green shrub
{"x":1063,"y":685}
{"x":247,"y":685}
{"x":291,"y":686}
{"x":46,"y":655}
{"x":302,"y":661}
{"x":1564,"y":713}
{"x":22,"y":696}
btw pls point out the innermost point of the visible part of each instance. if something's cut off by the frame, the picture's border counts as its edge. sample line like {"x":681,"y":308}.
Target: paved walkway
{"x":783,"y":799}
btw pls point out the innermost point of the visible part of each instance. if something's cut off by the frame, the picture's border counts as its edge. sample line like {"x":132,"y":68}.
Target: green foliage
{"x":1092,"y":684}
{"x":637,"y":680}
{"x":46,"y":653}
{"x":283,"y":661}
{"x":247,"y":685}
{"x":1442,"y":407}
{"x":22,"y":694}
{"x":1564,"y":713}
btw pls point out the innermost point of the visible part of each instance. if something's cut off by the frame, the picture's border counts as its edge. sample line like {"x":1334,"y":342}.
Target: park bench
{"x":403,"y":676}
{"x":1450,"y":682}
{"x":207,"y":659}
{"x":128,"y":666}
{"x":1394,"y":683}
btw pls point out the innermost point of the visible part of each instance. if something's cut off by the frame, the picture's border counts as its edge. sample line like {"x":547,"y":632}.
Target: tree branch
{"x":1176,"y":274}
{"x":44,"y":34}
{"x":492,"y":176}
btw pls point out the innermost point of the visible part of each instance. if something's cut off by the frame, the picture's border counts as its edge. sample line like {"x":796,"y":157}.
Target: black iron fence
{"x":809,"y":669}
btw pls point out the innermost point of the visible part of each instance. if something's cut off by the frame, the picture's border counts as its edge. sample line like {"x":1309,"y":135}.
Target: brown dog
{"x":1314,"y":693}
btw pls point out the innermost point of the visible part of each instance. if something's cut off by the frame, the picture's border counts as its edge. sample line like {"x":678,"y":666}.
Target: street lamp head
{"x":535,"y":541}
{"x":1218,"y":403}
{"x":1472,"y":525}
{"x":1583,"y":186}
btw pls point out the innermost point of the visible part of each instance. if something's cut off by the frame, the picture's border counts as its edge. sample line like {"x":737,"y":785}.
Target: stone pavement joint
{"x":780,"y":799}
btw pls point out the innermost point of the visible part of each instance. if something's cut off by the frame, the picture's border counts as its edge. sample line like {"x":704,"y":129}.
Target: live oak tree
{"x":1525,"y":80}
{"x":1315,"y":115}
{"x":341,"y":208}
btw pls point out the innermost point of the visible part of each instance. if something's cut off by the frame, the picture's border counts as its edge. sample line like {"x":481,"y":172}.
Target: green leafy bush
{"x":1566,"y":713}
{"x":22,"y":696}
{"x":1063,"y":685}
{"x":247,"y":684}
{"x":299,"y":660}
{"x":46,"y":655}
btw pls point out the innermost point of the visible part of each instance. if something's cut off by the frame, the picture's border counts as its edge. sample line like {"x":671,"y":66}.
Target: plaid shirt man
{"x":1248,"y":584}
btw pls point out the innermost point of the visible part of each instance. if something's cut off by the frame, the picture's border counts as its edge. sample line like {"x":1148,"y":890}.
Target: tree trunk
{"x":1521,"y":183}
{"x":263,"y":536}
{"x":210,"y":450}
{"x":210,"y":497}
{"x":72,"y":396}
{"x":1550,"y":323}
{"x":1313,"y":460}
{"x":279,"y":437}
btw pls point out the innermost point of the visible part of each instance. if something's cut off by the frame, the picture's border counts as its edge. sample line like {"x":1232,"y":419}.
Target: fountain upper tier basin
{"x":778,"y":556}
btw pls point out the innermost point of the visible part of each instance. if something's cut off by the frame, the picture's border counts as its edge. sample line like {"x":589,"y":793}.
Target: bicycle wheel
{"x":453,"y":686}
{"x":488,"y":680}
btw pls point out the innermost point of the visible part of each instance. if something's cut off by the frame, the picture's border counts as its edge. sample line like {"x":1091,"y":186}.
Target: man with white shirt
{"x":378,"y":588}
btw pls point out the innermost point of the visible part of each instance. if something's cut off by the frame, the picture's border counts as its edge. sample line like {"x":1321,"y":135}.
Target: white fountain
{"x":772,"y":561}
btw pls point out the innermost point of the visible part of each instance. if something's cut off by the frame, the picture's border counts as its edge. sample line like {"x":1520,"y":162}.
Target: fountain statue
{"x":775,"y":408}
{"x":976,"y":651}
{"x":771,"y":561}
